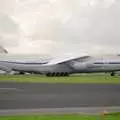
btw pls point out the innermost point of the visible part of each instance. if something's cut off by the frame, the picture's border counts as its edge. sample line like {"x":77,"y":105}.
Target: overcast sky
{"x":60,"y":26}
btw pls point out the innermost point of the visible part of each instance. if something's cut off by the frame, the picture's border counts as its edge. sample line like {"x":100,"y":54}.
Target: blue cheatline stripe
{"x":114,"y":63}
{"x":38,"y":63}
{"x":106,"y":63}
{"x":98,"y":63}
{"x":29,"y":63}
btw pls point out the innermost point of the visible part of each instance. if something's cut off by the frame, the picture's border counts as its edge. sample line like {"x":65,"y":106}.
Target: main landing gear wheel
{"x":112,"y":74}
{"x":57,"y":74}
{"x":21,"y":73}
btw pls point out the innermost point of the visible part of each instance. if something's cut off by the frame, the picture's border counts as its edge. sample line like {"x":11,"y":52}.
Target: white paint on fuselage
{"x":72,"y":65}
{"x":99,"y":64}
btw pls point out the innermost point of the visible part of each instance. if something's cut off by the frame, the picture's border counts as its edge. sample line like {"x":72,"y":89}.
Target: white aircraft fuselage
{"x":63,"y":66}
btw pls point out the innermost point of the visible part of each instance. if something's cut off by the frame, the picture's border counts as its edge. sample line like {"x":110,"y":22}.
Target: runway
{"x":59,"y":111}
{"x":23,"y":96}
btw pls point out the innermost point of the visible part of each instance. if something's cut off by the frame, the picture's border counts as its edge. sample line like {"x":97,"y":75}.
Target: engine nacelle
{"x":78,"y":65}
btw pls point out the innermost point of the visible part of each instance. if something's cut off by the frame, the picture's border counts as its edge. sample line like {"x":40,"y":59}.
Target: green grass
{"x":62,"y":117}
{"x":90,"y":78}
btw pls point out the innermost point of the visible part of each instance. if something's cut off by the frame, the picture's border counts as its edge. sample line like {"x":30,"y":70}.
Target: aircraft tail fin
{"x":3,"y":50}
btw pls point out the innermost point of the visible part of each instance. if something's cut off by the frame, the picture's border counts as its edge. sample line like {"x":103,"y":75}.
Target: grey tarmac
{"x":60,"y":97}
{"x":60,"y":111}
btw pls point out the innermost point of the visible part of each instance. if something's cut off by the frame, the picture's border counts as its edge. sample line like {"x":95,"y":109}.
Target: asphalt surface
{"x":60,"y":111}
{"x":28,"y":98}
{"x":39,"y":95}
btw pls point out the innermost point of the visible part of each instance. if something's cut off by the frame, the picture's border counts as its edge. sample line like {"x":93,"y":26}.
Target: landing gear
{"x":57,"y":74}
{"x":112,"y":74}
{"x":66,"y":74}
{"x":21,"y":73}
{"x":48,"y":74}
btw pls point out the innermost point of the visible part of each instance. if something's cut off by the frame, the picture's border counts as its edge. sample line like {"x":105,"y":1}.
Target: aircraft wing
{"x":61,"y":60}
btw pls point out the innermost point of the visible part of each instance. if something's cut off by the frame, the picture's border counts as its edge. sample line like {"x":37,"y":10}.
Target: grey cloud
{"x":9,"y":29}
{"x":7,"y":25}
{"x":7,"y":6}
{"x":74,"y":25}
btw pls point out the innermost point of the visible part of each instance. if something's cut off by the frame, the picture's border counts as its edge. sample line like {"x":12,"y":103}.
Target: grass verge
{"x":71,"y":79}
{"x":62,"y":117}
